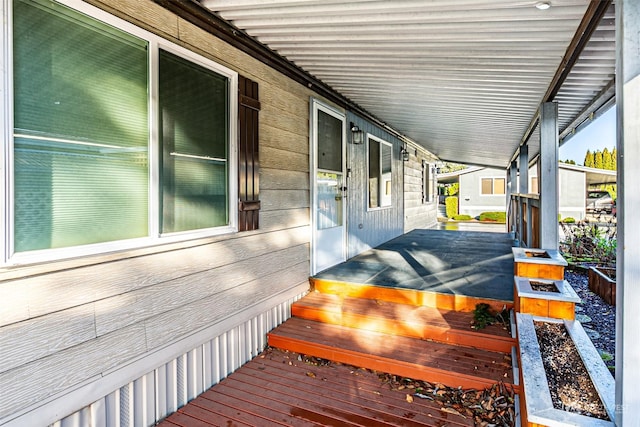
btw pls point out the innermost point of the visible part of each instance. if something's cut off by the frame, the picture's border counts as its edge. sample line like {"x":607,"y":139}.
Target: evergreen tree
{"x":598,"y":160}
{"x":606,"y":159}
{"x":614,"y":159}
{"x":589,"y":159}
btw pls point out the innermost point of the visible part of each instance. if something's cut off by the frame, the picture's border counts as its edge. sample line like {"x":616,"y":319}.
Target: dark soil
{"x":569,"y":383}
{"x":543,"y":287}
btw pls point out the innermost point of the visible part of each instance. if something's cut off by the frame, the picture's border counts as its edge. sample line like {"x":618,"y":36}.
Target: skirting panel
{"x":158,"y":393}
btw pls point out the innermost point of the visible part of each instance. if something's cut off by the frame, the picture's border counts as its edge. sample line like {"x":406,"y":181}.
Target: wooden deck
{"x":278,"y":389}
{"x":419,"y":328}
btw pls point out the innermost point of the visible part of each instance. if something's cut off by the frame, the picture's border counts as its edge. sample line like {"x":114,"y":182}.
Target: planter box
{"x":538,"y":409}
{"x":559,"y":304}
{"x":538,"y":263}
{"x":601,"y":283}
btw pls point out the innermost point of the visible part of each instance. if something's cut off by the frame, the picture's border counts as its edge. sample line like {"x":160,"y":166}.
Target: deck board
{"x":414,"y":358}
{"x":423,"y":322}
{"x":276,"y":388}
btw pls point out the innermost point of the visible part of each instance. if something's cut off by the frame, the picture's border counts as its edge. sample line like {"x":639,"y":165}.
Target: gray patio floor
{"x":471,"y":263}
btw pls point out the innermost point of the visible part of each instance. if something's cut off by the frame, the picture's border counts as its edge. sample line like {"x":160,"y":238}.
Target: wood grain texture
{"x":75,"y":287}
{"x":43,"y":378}
{"x":275,"y":158}
{"x":279,"y":179}
{"x":24,"y":342}
{"x":133,"y":307}
{"x":284,"y":199}
{"x":163,"y":328}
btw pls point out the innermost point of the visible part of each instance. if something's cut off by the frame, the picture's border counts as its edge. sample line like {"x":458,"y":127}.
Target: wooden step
{"x":414,"y":358}
{"x":454,"y":302}
{"x":407,"y":320}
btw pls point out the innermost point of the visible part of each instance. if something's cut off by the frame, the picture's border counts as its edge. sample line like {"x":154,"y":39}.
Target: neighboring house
{"x":147,"y":250}
{"x":483,"y":189}
{"x":573,"y":182}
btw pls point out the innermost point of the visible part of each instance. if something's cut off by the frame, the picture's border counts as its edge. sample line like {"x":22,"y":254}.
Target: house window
{"x":492,"y":186}
{"x":428,"y":184}
{"x":380,"y":178}
{"x":118,"y":135}
{"x":534,"y":185}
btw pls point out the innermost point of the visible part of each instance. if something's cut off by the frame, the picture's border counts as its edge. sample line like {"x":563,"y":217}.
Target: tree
{"x":589,"y":159}
{"x":614,"y":159}
{"x":598,"y":160}
{"x":606,"y":159}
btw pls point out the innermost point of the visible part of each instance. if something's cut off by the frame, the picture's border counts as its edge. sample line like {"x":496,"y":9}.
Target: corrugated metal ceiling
{"x":463,"y":78}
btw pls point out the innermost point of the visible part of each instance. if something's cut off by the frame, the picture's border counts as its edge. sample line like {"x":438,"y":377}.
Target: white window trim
{"x":429,"y":171}
{"x":7,"y":257}
{"x":381,"y":141}
{"x":493,"y":180}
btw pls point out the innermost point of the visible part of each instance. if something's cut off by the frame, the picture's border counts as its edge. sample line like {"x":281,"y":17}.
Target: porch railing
{"x":524,"y":219}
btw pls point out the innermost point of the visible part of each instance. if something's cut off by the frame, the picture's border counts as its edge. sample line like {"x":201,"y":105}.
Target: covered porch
{"x":374,"y":328}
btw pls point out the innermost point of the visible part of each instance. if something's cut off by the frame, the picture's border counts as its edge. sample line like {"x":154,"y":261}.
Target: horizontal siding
{"x":68,"y":326}
{"x":417,"y":214}
{"x":156,"y":394}
{"x":369,"y":228}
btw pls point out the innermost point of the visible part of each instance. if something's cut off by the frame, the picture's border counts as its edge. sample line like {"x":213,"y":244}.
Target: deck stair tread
{"x":415,"y":358}
{"x":423,"y":322}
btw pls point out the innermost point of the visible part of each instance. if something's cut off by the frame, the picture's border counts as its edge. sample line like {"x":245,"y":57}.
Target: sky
{"x":596,"y":136}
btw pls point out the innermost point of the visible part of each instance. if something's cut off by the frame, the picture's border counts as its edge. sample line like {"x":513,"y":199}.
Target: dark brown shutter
{"x":248,"y":162}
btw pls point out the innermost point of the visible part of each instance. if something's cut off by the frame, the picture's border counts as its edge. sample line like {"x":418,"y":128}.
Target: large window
{"x":492,"y":186}
{"x":118,"y":135}
{"x":380,"y":178}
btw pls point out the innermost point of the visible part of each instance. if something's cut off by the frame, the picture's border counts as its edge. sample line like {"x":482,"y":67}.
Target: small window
{"x":380,"y":186}
{"x":534,"y":185}
{"x":493,"y":186}
{"x":428,"y":182}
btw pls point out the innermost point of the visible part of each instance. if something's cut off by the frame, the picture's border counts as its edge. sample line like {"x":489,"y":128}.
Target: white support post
{"x":628,"y":267}
{"x":548,"y":177}
{"x":513,"y":188}
{"x":523,"y":163}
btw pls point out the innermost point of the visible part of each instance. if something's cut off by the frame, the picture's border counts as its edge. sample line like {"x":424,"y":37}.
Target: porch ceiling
{"x":463,"y":78}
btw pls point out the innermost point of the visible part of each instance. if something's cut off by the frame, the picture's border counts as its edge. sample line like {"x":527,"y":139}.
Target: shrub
{"x":500,"y":217}
{"x":451,"y":204}
{"x":590,"y":243}
{"x":569,"y":220}
{"x":462,"y":217}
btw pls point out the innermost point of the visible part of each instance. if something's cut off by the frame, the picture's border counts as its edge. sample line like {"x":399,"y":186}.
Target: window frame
{"x":154,"y":237}
{"x":380,"y":184}
{"x":428,"y":182}
{"x":493,"y":186}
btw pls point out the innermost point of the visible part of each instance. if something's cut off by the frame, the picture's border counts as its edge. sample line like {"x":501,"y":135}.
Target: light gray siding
{"x":366,"y":227}
{"x":418,"y":213}
{"x":573,"y":190}
{"x":110,"y":333}
{"x":472,"y":201}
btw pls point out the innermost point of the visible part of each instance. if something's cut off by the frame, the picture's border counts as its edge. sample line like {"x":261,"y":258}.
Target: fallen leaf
{"x":311,"y":374}
{"x":409,"y":398}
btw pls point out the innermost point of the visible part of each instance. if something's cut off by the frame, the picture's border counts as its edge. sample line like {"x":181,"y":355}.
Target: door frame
{"x":317,"y":105}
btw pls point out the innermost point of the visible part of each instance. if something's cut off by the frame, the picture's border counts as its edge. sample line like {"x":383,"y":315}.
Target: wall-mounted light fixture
{"x":357,"y":134}
{"x":404,"y":154}
{"x":543,"y":5}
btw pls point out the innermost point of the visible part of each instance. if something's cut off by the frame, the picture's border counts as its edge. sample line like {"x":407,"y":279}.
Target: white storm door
{"x":328,"y":246}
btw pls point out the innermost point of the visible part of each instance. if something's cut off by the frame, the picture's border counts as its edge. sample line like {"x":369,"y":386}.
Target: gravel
{"x":596,"y":316}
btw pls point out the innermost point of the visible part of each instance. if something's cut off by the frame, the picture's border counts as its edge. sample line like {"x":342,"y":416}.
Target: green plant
{"x":592,"y":243}
{"x":500,"y":217}
{"x":462,"y":217}
{"x":482,"y":316}
{"x":569,"y":220}
{"x":451,"y":205}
